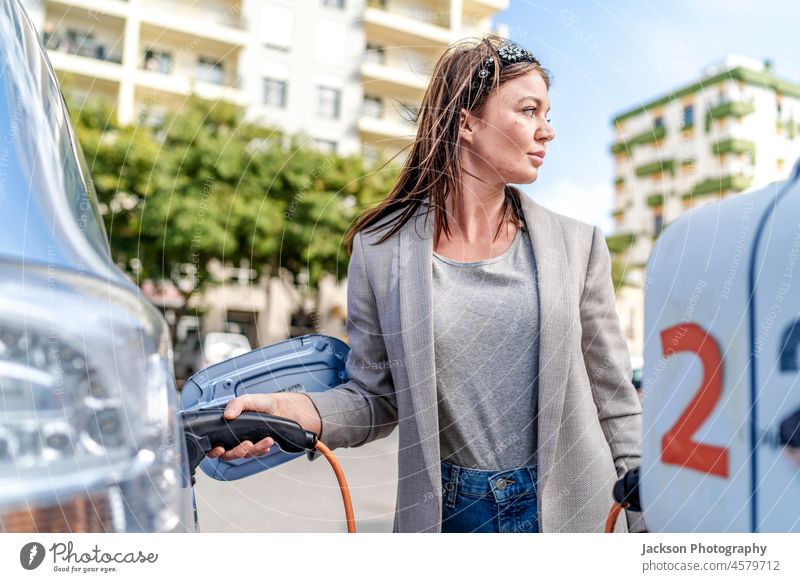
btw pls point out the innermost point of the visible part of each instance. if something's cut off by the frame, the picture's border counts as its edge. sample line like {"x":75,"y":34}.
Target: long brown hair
{"x":433,"y":168}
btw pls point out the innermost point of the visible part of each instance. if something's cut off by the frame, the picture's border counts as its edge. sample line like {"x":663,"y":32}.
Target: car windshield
{"x":48,"y":210}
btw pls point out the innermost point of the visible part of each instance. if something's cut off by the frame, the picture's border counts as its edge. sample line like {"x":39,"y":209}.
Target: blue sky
{"x":607,"y":57}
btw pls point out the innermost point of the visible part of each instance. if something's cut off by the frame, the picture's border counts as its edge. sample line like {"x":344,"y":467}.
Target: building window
{"x":158,"y":61}
{"x":209,"y":70}
{"x":375,"y":53}
{"x":372,"y":106}
{"x":329,"y":102}
{"x":275,"y":93}
{"x":688,"y":116}
{"x":325,"y":146}
{"x":333,"y":3}
{"x":84,"y":44}
{"x":658,"y":224}
{"x":79,"y":42}
{"x":658,"y":121}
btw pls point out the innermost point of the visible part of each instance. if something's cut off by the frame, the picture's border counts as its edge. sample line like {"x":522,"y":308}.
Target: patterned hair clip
{"x":509,"y":53}
{"x":485,"y":70}
{"x":513,"y":53}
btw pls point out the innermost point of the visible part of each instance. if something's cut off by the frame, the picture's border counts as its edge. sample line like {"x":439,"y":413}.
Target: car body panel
{"x":60,"y":287}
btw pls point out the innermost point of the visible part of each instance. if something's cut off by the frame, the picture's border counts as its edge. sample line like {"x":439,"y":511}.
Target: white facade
{"x":303,"y":66}
{"x":404,"y":39}
{"x":734,"y":129}
{"x":316,"y":50}
{"x":341,"y":75}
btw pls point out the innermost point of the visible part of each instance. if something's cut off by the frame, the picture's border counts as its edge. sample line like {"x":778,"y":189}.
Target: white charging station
{"x":722,"y":304}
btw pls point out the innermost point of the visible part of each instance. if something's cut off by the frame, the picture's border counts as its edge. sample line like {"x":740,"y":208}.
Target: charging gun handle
{"x":206,"y":429}
{"x":626,"y":490}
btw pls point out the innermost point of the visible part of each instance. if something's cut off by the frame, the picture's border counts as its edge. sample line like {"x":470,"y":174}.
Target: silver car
{"x":89,"y":428}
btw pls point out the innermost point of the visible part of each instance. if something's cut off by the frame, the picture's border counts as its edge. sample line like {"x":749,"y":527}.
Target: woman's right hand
{"x":291,"y":405}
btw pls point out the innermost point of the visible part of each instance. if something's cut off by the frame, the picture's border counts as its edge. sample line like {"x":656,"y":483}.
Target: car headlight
{"x":89,"y":437}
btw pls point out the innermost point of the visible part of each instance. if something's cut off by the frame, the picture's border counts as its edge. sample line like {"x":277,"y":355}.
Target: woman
{"x":480,"y":323}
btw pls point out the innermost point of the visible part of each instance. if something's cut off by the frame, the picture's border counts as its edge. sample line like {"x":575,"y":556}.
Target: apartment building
{"x":735,"y":128}
{"x":404,"y":39}
{"x":344,"y":75}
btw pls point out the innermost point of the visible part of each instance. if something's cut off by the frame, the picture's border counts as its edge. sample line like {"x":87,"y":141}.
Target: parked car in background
{"x":89,"y":432}
{"x":186,"y":357}
{"x":218,"y":347}
{"x":637,"y":363}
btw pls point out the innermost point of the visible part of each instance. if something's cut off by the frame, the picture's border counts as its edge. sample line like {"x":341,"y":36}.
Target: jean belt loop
{"x":453,"y":485}
{"x":534,"y":471}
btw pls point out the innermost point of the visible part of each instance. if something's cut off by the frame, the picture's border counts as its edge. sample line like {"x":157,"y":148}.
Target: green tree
{"x":618,"y":272}
{"x":205,"y":183}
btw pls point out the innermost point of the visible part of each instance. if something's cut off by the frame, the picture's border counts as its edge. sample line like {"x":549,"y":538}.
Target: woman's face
{"x":507,"y":139}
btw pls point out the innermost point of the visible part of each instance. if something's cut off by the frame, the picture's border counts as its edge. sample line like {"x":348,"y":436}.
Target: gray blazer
{"x":589,"y":425}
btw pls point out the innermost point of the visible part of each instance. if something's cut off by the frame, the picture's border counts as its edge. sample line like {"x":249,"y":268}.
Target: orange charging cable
{"x":611,"y":521}
{"x":337,"y":468}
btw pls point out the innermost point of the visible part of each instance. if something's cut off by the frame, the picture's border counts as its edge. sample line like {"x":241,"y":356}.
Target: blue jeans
{"x":489,"y":501}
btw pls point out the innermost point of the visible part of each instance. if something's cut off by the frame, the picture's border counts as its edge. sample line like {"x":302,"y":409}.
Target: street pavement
{"x":303,"y":496}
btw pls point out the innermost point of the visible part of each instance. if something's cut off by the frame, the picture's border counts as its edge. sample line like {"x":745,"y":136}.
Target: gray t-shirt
{"x":486,"y":345}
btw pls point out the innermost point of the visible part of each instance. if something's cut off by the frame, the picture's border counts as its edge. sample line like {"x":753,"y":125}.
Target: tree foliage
{"x":206,"y":183}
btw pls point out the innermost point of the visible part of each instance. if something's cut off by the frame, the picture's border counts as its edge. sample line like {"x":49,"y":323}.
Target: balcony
{"x":86,"y":67}
{"x":620,"y":148}
{"x":82,"y":44}
{"x":118,"y":8}
{"x":732,"y":131}
{"x":384,"y":79}
{"x":405,"y":24}
{"x":484,"y":8}
{"x":725,"y":109}
{"x":719,"y":185}
{"x":213,"y":92}
{"x":386,"y":129}
{"x":650,"y":136}
{"x":653,"y":135}
{"x":218,"y":21}
{"x":655,"y":200}
{"x":657,"y":168}
{"x":734,"y":146}
{"x":186,"y":83}
{"x":77,"y":52}
{"x":165,"y":58}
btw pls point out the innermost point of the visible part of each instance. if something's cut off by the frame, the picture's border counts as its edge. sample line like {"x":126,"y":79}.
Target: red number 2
{"x":677,"y":446}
